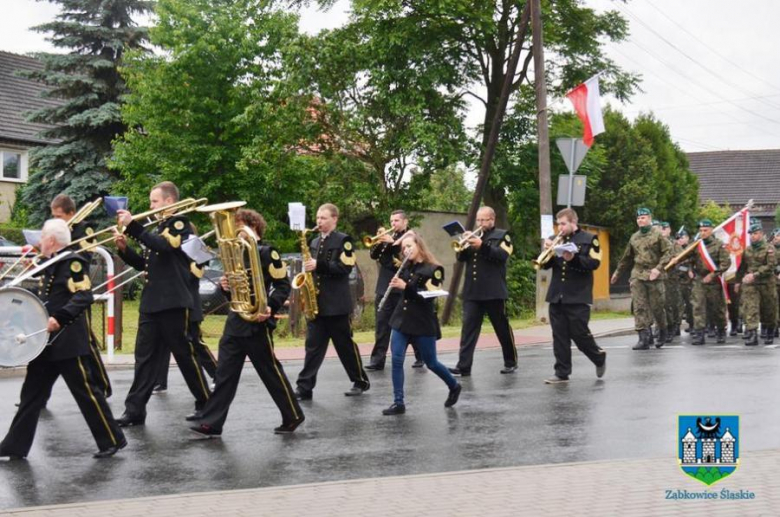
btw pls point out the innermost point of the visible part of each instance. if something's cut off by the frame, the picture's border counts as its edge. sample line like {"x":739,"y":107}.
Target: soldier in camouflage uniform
{"x":646,"y":255}
{"x":684,"y":272}
{"x":708,"y":299}
{"x":759,"y":286}
{"x":672,"y":287}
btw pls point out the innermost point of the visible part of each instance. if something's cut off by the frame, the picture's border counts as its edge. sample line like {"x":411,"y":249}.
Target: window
{"x":13,"y":165}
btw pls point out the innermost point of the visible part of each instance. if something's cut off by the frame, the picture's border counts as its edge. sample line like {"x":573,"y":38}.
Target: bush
{"x":12,"y":234}
{"x":521,"y":281}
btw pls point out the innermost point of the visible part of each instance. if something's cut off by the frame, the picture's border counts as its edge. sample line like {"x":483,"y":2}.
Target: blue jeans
{"x":427,"y":347}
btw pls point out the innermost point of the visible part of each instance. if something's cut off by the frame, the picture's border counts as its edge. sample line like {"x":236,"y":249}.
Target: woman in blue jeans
{"x":414,"y":319}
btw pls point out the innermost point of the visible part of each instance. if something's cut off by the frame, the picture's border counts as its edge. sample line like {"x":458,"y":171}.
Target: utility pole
{"x":490,"y":150}
{"x":543,"y":137}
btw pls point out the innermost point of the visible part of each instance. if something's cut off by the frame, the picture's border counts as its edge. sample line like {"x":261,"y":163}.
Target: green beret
{"x":664,"y":224}
{"x":756,"y":227}
{"x":643,"y":211}
{"x":705,"y":223}
{"x":776,"y":232}
{"x":656,"y":222}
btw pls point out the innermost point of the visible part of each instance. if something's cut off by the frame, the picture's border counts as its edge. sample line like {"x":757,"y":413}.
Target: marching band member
{"x":387,"y":253}
{"x":485,"y":292}
{"x":63,"y":207}
{"x":67,"y":295}
{"x":166,"y":302}
{"x":331,"y":263}
{"x":570,"y":296}
{"x":414,"y":320}
{"x":253,"y":339}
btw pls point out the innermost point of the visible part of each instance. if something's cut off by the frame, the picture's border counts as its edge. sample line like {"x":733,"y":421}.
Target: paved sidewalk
{"x":529,"y":336}
{"x":604,"y":488}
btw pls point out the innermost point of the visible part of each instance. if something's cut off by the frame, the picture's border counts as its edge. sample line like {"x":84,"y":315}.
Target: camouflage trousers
{"x":686,"y":308}
{"x":759,"y":304}
{"x":648,"y":301}
{"x":709,"y":304}
{"x":673,"y":303}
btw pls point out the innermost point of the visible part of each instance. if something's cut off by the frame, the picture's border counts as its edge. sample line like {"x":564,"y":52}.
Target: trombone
{"x":371,"y":240}
{"x":157,"y":215}
{"x":462,"y":243}
{"x":78,"y":217}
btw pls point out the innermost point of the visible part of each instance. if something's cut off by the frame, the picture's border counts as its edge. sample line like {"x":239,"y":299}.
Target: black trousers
{"x":205,"y":357}
{"x":382,"y":330}
{"x":319,"y":332}
{"x":473,"y":314}
{"x":36,"y":390}
{"x":233,"y":351}
{"x":569,"y":323}
{"x":157,"y":333}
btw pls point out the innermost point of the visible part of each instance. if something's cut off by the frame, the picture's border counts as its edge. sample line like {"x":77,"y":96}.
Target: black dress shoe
{"x":509,"y":369}
{"x":289,"y":427}
{"x":206,"y":431}
{"x":458,"y":371}
{"x":107,"y":453}
{"x":395,"y":409}
{"x":452,"y":398}
{"x":303,"y":395}
{"x":11,"y":457}
{"x":419,"y":363}
{"x":197,"y":415}
{"x":130,"y":420}
{"x":375,"y":367}
{"x":356,"y":391}
{"x":159,"y":389}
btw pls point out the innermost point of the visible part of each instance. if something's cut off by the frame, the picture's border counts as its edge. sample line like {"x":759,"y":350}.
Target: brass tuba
{"x":305,"y":281}
{"x":240,"y":260}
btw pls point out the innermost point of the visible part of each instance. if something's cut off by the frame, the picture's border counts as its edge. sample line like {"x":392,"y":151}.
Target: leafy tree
{"x":714,"y":212}
{"x":211,"y":113}
{"x":447,"y":191}
{"x":97,"y":33}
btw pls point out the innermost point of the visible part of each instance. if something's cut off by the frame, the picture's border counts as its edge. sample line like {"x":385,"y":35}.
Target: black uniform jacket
{"x":486,"y":267}
{"x":335,"y":256}
{"x":388,"y":258}
{"x":66,"y":292}
{"x":415,"y":315}
{"x":167,"y":283}
{"x":277,"y":287}
{"x":196,"y":273}
{"x":572,"y":282}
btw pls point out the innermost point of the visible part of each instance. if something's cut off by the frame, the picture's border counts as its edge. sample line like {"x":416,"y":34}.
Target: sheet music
{"x":297,"y":214}
{"x":562,"y":248}
{"x":433,"y":294}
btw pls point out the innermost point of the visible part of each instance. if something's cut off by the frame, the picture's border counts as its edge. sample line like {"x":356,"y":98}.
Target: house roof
{"x":734,"y":177}
{"x":18,"y":96}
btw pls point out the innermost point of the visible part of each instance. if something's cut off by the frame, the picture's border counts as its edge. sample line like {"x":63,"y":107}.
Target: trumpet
{"x":547,"y":254}
{"x":370,"y":241}
{"x":462,"y":243}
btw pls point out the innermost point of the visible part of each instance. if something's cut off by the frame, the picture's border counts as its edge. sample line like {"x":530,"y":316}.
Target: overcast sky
{"x":710,"y":71}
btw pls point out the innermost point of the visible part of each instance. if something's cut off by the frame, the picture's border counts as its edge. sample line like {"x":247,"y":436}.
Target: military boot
{"x":698,"y":337}
{"x":677,"y":331}
{"x":751,"y":338}
{"x":770,"y":336}
{"x":740,"y":326}
{"x":656,"y":331}
{"x":721,"y":336}
{"x":644,"y":340}
{"x":661,"y":338}
{"x":669,"y":334}
{"x":734,"y":325}
{"x":777,"y":332}
{"x":763,"y":332}
{"x":711,"y":332}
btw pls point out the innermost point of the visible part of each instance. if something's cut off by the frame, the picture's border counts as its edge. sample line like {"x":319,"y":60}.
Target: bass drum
{"x":21,"y":314}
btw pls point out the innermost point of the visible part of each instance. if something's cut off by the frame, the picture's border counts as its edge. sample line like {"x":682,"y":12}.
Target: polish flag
{"x":587,"y":104}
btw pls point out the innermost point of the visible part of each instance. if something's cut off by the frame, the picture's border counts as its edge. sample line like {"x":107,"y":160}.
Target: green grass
{"x":213,"y":325}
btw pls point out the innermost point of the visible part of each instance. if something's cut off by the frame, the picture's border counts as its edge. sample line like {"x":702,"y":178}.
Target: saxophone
{"x":305,"y":281}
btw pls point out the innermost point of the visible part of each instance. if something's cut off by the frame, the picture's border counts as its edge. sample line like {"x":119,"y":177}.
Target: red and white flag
{"x":587,"y":103}
{"x":733,"y":233}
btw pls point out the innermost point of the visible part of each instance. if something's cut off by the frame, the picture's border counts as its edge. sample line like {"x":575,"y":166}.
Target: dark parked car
{"x":212,"y":298}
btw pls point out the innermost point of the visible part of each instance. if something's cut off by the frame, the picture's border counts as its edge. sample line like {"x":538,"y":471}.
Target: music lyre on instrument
{"x":240,"y":260}
{"x":371,"y":240}
{"x":463,"y":242}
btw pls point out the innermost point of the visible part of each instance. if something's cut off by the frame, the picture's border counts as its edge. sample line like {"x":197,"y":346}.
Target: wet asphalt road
{"x":500,"y":421}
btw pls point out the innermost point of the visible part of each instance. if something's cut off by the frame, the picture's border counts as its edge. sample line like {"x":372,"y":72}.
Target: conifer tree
{"x":95,"y":35}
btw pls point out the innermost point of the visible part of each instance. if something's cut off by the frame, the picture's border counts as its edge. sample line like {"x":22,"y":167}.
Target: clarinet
{"x":389,"y":287}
